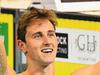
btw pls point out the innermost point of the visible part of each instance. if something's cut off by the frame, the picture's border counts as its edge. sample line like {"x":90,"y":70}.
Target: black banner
{"x":62,"y":45}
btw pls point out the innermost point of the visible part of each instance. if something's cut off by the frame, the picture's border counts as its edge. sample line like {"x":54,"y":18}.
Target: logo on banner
{"x":79,"y":46}
{"x":89,"y":43}
{"x":62,"y":45}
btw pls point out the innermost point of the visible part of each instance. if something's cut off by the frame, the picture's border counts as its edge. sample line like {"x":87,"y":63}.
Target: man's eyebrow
{"x":51,"y":31}
{"x":36,"y":33}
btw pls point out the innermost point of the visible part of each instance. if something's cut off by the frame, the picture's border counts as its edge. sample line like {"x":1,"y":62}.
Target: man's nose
{"x":46,"y":40}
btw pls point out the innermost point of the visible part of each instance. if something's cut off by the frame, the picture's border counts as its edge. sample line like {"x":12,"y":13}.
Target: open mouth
{"x":47,"y":50}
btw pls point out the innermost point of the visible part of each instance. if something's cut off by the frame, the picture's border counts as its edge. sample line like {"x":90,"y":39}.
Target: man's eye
{"x":51,"y":34}
{"x":37,"y":36}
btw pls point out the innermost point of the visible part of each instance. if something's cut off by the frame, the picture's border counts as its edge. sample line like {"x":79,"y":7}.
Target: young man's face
{"x":41,"y":42}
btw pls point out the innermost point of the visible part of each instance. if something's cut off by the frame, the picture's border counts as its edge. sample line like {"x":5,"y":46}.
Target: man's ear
{"x":22,"y":46}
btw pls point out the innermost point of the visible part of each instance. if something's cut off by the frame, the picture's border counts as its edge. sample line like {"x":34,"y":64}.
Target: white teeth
{"x":46,"y":50}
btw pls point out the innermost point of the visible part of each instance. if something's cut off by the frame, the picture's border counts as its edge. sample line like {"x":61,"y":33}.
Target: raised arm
{"x":3,"y":59}
{"x":4,"y":68}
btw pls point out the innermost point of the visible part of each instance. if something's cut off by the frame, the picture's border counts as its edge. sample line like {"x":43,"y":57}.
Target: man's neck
{"x":35,"y":68}
{"x":48,"y":70}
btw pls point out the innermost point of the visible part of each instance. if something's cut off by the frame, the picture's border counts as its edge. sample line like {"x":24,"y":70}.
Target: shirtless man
{"x":37,"y":40}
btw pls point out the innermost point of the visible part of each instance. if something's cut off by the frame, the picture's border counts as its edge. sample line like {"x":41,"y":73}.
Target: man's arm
{"x":4,"y":68}
{"x":3,"y":59}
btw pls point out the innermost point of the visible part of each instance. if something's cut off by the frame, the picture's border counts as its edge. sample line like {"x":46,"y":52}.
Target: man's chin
{"x":48,"y":62}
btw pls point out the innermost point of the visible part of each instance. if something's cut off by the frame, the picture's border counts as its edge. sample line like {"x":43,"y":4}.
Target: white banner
{"x":83,"y":46}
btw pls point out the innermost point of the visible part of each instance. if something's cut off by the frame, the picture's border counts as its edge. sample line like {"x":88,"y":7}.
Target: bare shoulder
{"x":96,"y":69}
{"x":83,"y":71}
{"x":89,"y":70}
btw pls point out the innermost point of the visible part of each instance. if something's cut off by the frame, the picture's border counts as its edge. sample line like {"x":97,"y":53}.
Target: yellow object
{"x":66,"y":68}
{"x":7,"y":18}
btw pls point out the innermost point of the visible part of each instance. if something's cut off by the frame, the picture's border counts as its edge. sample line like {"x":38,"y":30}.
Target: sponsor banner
{"x":6,"y":33}
{"x":78,"y":46}
{"x":62,"y":45}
